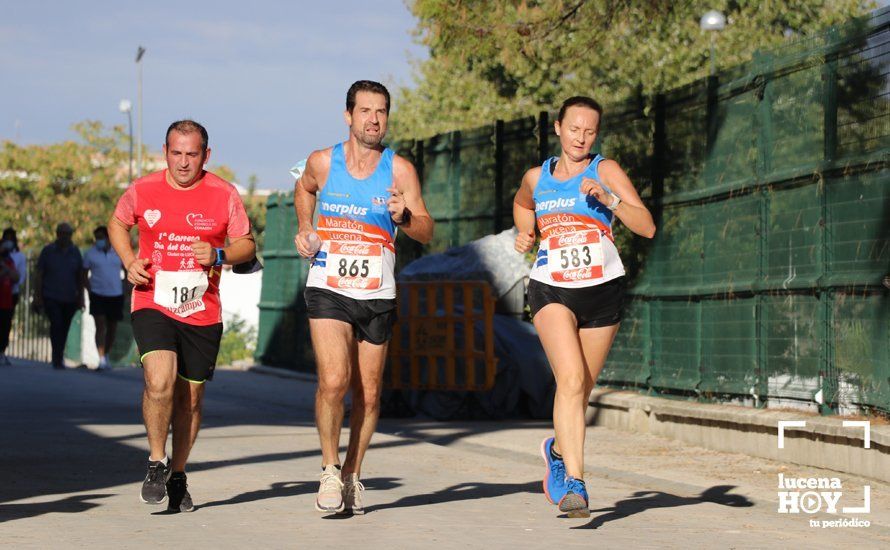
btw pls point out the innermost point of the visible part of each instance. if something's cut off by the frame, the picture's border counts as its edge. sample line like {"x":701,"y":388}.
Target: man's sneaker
{"x":103,"y":363}
{"x":352,"y":495}
{"x":154,"y":488}
{"x":330,"y":491}
{"x":555,"y":476}
{"x":574,"y":503}
{"x":178,"y":493}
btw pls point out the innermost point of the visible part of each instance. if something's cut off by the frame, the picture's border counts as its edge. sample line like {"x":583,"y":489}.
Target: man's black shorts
{"x":593,"y":306}
{"x":196,"y":347}
{"x":371,"y":320}
{"x":111,"y":307}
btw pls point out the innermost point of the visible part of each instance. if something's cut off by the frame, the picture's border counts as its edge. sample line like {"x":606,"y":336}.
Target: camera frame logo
{"x":813,"y":495}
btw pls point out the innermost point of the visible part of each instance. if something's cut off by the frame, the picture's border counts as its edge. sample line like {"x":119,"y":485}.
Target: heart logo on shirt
{"x":151,"y":217}
{"x":193,"y":218}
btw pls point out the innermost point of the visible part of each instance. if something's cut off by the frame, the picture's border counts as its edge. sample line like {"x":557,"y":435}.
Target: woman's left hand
{"x":590,"y":186}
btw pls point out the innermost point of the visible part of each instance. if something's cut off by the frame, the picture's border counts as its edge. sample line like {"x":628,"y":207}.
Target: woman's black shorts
{"x":593,"y":306}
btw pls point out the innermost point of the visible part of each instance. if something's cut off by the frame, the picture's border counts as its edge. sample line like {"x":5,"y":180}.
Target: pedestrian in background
{"x":102,"y":278}
{"x":9,"y":276}
{"x":58,"y":288}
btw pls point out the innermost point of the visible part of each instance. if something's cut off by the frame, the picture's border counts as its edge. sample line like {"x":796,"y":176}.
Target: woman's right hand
{"x":524,"y":241}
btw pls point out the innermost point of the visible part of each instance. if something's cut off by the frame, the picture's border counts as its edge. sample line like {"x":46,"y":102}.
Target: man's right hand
{"x":303,"y":245}
{"x":524,"y":242}
{"x":136,"y":272}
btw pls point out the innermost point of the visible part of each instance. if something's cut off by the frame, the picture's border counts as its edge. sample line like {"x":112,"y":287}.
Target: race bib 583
{"x":575,"y":257}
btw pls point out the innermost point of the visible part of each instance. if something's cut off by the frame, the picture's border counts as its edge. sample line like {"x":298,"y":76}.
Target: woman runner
{"x":577,"y":282}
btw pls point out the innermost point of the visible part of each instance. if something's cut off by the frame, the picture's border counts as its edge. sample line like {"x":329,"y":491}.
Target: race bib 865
{"x":355,"y":265}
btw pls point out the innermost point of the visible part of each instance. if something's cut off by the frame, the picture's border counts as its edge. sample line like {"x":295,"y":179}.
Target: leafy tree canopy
{"x":507,"y":58}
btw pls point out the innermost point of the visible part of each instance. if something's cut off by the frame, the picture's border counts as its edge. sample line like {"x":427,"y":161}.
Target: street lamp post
{"x":126,"y":107}
{"x":139,"y":53}
{"x":713,"y":21}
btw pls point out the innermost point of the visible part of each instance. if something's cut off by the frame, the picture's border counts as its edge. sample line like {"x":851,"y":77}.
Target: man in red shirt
{"x":185,"y":217}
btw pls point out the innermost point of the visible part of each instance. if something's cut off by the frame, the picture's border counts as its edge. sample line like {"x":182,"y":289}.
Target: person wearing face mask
{"x":102,"y":270}
{"x":58,"y":288}
{"x":9,"y":276}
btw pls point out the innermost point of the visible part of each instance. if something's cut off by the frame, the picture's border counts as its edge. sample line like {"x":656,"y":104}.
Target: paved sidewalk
{"x":74,"y":451}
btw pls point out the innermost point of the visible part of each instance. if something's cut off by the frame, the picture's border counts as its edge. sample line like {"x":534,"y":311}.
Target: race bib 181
{"x":355,"y":265}
{"x":182,"y":292}
{"x":575,"y":257}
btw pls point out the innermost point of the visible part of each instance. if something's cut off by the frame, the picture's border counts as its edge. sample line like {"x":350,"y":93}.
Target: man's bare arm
{"x":417,"y":224}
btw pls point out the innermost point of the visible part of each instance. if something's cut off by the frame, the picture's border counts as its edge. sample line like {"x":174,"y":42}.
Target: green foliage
{"x":74,"y":181}
{"x":506,"y":59}
{"x":238,"y":342}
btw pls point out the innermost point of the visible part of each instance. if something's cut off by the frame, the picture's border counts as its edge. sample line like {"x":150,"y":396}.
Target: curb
{"x":824,"y":442}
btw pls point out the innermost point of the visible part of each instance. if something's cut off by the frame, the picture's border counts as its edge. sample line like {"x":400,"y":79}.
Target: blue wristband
{"x":220,"y":256}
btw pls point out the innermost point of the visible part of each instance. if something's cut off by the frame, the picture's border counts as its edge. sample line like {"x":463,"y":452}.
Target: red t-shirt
{"x":169,"y":220}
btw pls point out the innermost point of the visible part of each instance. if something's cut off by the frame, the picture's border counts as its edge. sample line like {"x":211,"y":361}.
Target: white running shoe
{"x":352,"y":495}
{"x":103,"y":363}
{"x":330,"y":491}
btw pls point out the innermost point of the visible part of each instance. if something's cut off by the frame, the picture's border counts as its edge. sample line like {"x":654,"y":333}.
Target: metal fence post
{"x":543,"y":135}
{"x":498,"y":176}
{"x":456,"y":191}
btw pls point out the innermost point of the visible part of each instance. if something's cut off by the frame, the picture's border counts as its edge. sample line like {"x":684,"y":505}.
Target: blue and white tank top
{"x":577,"y":247}
{"x":357,"y":256}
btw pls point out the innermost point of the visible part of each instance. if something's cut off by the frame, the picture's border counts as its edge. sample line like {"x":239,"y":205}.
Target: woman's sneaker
{"x":554,"y":478}
{"x":353,"y":490}
{"x":575,"y":501}
{"x":330,"y":491}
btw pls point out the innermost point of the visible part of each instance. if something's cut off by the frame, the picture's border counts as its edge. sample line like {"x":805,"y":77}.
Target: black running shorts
{"x":111,"y":307}
{"x":371,"y":320}
{"x":196,"y":347}
{"x":593,"y":306}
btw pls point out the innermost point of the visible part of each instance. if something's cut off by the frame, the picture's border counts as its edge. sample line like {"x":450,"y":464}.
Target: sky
{"x":267,"y":78}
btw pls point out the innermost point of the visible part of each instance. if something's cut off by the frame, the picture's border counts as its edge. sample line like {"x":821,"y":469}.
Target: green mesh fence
{"x":770,"y":187}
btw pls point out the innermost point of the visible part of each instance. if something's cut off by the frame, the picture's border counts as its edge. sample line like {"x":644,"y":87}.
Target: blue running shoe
{"x":575,"y":501}
{"x":554,"y":479}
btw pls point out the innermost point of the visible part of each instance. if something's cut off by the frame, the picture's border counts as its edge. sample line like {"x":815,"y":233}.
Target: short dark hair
{"x":101,"y":229}
{"x":579,"y":101}
{"x":187,"y":127}
{"x":365,"y":86}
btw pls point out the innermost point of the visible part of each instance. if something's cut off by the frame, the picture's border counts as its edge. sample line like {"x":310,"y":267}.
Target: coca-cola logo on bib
{"x":355,"y":249}
{"x":353,"y":282}
{"x":572,"y":238}
{"x":578,"y":274}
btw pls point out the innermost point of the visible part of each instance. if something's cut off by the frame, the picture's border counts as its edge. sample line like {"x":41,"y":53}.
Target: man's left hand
{"x":204,"y":253}
{"x":396,"y":205}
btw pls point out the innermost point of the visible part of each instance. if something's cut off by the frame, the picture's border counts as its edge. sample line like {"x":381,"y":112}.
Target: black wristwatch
{"x":406,"y":217}
{"x":220,"y":256}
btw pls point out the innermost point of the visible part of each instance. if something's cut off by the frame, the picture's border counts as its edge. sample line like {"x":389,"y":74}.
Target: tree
{"x":74,"y":181}
{"x":506,"y":59}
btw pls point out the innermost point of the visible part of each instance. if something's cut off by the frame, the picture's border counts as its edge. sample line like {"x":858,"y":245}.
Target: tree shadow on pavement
{"x":295,"y":488}
{"x":69,"y":505}
{"x":461,"y":491}
{"x":648,"y":500}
